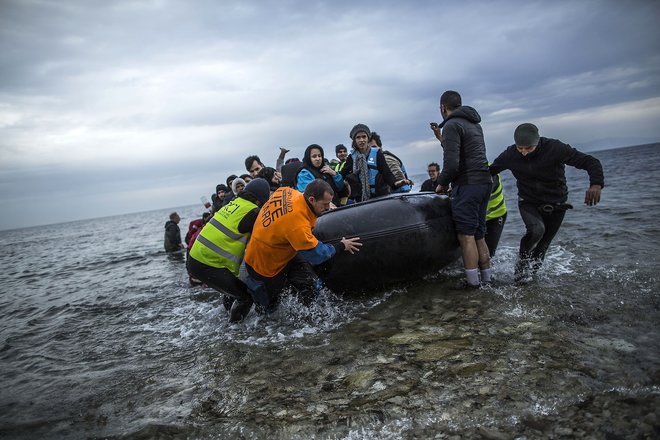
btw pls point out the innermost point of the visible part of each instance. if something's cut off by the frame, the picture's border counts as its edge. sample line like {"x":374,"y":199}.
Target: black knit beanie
{"x":260,"y":188}
{"x":526,"y":135}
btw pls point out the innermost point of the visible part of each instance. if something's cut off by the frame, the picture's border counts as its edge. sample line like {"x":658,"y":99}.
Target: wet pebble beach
{"x":461,"y":365}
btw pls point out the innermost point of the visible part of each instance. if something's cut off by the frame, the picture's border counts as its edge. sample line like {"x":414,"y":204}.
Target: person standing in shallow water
{"x":172,"y":239}
{"x":217,"y":253}
{"x":538,"y":165}
{"x":465,"y":167}
{"x":495,"y":215}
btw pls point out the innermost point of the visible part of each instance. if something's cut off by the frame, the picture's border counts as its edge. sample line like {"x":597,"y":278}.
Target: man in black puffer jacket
{"x":465,"y":167}
{"x":538,"y":163}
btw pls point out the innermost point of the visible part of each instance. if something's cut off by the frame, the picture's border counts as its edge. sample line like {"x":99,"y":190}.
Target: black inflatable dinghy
{"x":404,"y":237}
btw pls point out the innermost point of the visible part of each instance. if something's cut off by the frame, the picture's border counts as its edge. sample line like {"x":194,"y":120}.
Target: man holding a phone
{"x":465,"y":167}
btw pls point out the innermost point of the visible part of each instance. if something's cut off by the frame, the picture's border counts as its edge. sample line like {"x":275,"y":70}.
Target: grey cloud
{"x":207,"y":83}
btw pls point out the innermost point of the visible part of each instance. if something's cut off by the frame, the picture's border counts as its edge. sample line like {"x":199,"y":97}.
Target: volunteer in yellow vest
{"x":282,"y":244}
{"x":342,"y":153}
{"x":495,"y":215}
{"x":218,"y":251}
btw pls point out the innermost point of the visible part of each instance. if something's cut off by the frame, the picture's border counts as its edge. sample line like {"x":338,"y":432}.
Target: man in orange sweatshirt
{"x":282,"y":244}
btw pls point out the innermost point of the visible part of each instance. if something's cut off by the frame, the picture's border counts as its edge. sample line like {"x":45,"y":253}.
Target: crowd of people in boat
{"x":257,"y":237}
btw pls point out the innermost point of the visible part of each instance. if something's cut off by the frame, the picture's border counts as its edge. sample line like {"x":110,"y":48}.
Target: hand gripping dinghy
{"x":404,"y":237}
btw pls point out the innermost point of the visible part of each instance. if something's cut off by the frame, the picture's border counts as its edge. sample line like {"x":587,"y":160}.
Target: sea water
{"x":102,"y":337}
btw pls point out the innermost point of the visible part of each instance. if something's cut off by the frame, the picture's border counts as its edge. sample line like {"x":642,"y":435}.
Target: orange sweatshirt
{"x":283,"y":228}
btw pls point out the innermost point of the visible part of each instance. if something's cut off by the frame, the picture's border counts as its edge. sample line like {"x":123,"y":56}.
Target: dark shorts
{"x":468,"y":207}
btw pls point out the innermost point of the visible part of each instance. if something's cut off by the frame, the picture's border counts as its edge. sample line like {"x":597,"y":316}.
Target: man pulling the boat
{"x":283,"y":247}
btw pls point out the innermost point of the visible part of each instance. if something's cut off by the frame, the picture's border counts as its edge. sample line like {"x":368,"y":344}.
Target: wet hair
{"x":317,"y":189}
{"x":249,"y":160}
{"x":173,"y":216}
{"x":451,"y":99}
{"x":433,"y":164}
{"x":376,"y":138}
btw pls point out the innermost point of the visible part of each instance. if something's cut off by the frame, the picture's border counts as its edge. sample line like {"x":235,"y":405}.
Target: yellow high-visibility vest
{"x":496,"y":206}
{"x":219,"y":244}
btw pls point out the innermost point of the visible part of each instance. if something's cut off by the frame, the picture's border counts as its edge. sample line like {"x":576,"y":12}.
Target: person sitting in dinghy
{"x":394,"y":163}
{"x":366,"y":169}
{"x":314,"y":167}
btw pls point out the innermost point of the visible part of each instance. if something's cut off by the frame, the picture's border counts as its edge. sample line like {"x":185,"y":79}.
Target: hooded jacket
{"x":540,"y":175}
{"x":464,"y":151}
{"x":309,"y":172}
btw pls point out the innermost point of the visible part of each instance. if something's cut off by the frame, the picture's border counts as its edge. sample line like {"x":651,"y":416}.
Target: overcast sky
{"x":111,"y":107}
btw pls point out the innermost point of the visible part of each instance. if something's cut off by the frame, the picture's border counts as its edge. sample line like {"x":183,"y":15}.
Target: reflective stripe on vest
{"x":220,"y":244}
{"x":496,"y":206}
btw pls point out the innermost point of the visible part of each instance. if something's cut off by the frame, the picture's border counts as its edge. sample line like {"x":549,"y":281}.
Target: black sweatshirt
{"x":540,"y":176}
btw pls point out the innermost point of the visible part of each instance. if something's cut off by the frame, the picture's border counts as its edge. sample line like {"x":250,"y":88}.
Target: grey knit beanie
{"x":526,"y":135}
{"x":360,"y":128}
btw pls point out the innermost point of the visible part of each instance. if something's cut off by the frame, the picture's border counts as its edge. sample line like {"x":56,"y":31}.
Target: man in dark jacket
{"x":218,"y":199}
{"x":465,"y":167}
{"x":538,"y":163}
{"x":173,"y":234}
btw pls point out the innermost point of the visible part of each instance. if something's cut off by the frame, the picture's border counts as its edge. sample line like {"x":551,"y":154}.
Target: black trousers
{"x":223,"y":281}
{"x":494,"y":230}
{"x":298,"y":274}
{"x":542,"y":226}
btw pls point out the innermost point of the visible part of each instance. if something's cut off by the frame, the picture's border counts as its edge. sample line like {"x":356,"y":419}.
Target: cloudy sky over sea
{"x":127,"y":106}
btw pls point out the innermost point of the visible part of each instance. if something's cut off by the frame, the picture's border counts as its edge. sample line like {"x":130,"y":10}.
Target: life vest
{"x":403,"y":188}
{"x":496,"y":207}
{"x":372,"y":164}
{"x":338,"y":168}
{"x":219,"y":244}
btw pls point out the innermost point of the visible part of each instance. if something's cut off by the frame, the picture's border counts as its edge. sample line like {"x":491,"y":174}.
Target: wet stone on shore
{"x":450,"y":367}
